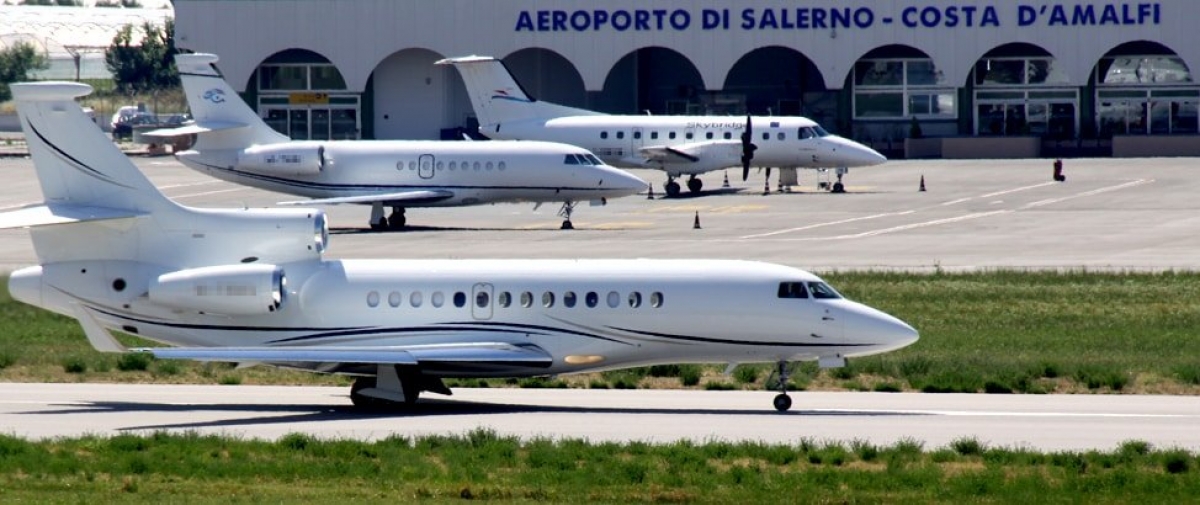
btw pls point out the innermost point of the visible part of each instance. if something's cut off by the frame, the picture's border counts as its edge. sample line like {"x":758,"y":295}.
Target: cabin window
{"x":439,"y":165}
{"x":592,"y":299}
{"x":781,"y":136}
{"x":635,"y":300}
{"x":547,"y":299}
{"x":373,"y":299}
{"x":728,"y":135}
{"x":656,"y":299}
{"x":504,"y":299}
{"x":614,"y":299}
{"x":620,"y":135}
{"x":489,"y":165}
{"x":482,"y":299}
{"x":688,"y":135}
{"x":671,"y":135}
{"x":637,"y":135}
{"x":820,"y":290}
{"x":460,"y":299}
{"x":792,"y":290}
{"x":415,"y":299}
{"x":527,"y":299}
{"x":603,"y":135}
{"x":654,"y":135}
{"x":476,"y":165}
{"x":412,"y":165}
{"x":500,"y":166}
{"x":569,"y":299}
{"x":766,"y":136}
{"x":437,"y":299}
{"x":395,"y":299}
{"x":453,"y":165}
{"x":708,"y":135}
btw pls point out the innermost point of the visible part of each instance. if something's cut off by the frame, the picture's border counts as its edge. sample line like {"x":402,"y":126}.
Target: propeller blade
{"x":748,"y":147}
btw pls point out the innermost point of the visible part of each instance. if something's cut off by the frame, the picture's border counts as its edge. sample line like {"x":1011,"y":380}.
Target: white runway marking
{"x":1014,"y":190}
{"x":830,"y":223}
{"x":1088,"y":193}
{"x":924,"y":224}
{"x":960,"y":200}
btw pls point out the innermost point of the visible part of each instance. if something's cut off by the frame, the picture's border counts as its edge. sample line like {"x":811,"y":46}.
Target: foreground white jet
{"x":679,"y":145}
{"x":251,"y":286}
{"x":235,"y":145}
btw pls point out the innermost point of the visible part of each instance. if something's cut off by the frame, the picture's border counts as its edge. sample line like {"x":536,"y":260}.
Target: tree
{"x":15,"y":64}
{"x":147,"y":66}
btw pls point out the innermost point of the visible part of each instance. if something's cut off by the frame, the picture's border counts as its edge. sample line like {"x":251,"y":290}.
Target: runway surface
{"x":1110,"y":214}
{"x":1043,"y":422}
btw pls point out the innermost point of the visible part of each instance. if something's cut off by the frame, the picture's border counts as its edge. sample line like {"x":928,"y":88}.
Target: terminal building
{"x":915,"y":78}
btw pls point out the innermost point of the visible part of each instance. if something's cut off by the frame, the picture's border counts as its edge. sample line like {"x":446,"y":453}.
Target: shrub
{"x":745,"y":374}
{"x":689,"y":375}
{"x":1176,"y":462}
{"x":664,"y":371}
{"x":7,"y":359}
{"x":719,"y":386}
{"x":597,"y":384}
{"x":886,"y":387}
{"x":167,"y":367}
{"x":230,"y":380}
{"x":74,"y":364}
{"x":967,"y":446}
{"x":134,"y":361}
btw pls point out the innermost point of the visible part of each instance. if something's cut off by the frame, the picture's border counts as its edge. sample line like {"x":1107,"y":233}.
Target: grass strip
{"x":196,"y":468}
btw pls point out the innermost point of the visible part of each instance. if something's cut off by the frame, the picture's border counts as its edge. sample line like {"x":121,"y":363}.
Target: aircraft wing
{"x":58,"y":213}
{"x":481,"y":353}
{"x":418,"y":196}
{"x":194,"y":128}
{"x":695,"y":152}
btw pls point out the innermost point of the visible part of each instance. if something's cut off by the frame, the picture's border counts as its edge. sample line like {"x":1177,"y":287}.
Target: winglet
{"x":97,"y":335}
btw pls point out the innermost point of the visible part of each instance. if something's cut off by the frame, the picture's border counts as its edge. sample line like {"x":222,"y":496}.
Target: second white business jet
{"x":678,"y":145}
{"x":234,"y":144}
{"x":252,"y":286}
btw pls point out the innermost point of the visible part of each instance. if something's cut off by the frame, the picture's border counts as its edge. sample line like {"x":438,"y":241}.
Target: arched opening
{"x":777,"y":80}
{"x":655,"y":80}
{"x":897,"y":86}
{"x":1144,"y":88}
{"x":301,"y":94}
{"x":415,"y":99}
{"x":548,"y":76}
{"x":1019,"y":89}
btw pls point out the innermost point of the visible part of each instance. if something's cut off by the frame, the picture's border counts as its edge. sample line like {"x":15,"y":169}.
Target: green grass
{"x":192,"y":468}
{"x":997,"y":332}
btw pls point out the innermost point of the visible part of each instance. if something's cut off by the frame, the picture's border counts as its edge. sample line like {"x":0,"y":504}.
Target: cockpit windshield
{"x":820,"y":290}
{"x":594,"y":159}
{"x":582,"y":159}
{"x":570,"y":159}
{"x":807,"y":133}
{"x":820,"y":131}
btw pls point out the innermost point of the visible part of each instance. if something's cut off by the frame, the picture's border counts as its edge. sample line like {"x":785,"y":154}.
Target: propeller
{"x":748,"y":148}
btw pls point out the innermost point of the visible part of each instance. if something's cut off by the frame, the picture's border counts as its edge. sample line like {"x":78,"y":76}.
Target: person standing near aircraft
{"x":253,"y":286}
{"x":677,"y":145}
{"x":236,"y":145}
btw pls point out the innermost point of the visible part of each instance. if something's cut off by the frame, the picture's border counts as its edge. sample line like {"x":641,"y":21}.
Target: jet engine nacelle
{"x":234,"y":290}
{"x":282,"y":159}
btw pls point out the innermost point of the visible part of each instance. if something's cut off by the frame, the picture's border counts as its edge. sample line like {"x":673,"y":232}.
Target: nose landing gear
{"x":782,"y":401}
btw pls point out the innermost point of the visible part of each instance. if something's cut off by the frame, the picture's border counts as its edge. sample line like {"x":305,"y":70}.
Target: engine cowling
{"x":282,"y":159}
{"x":234,"y":290}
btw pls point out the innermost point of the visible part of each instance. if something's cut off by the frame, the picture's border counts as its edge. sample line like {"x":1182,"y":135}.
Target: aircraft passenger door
{"x":481,"y":301}
{"x":636,"y":141}
{"x":425,"y":166}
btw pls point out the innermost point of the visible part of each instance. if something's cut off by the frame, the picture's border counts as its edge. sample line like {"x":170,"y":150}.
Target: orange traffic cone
{"x":922,"y":182}
{"x":725,"y":184}
{"x":650,"y":194}
{"x":696,"y":222}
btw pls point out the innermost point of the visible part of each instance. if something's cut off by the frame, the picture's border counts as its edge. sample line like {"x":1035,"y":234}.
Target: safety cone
{"x":650,"y":194}
{"x":726,"y":183}
{"x":922,"y":182}
{"x":696,"y":222}
{"x":766,"y":187}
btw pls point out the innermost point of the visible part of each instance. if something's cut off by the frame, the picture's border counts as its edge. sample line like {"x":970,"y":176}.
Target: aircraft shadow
{"x":550,"y":227}
{"x":687,"y":195}
{"x":424,"y":408}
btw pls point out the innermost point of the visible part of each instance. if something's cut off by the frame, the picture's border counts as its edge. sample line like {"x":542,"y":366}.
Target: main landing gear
{"x":395,"y":221}
{"x":672,"y":188}
{"x":393,"y":386}
{"x":782,"y":401}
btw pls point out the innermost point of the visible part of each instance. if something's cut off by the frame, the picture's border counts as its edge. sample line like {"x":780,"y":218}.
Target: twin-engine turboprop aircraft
{"x":678,"y":145}
{"x":252,"y":286}
{"x":234,"y":144}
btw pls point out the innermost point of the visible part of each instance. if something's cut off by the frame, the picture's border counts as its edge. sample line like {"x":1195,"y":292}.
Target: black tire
{"x":672,"y":189}
{"x":567,"y":225}
{"x":694,"y":185}
{"x":380,"y":225}
{"x":782,"y":402}
{"x":838,"y":188}
{"x":397,"y":222}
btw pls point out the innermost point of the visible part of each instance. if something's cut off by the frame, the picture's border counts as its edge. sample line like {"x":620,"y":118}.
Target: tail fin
{"x":223,"y":120}
{"x":498,"y":98}
{"x":77,"y":165}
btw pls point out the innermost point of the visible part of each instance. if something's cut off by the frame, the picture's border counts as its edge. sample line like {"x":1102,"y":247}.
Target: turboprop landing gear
{"x":694,"y":184}
{"x":782,"y":401}
{"x":377,"y":222}
{"x":565,"y":212}
{"x":672,"y":187}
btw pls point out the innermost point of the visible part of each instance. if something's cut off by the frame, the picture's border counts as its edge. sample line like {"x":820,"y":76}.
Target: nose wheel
{"x":782,"y":401}
{"x":565,"y":213}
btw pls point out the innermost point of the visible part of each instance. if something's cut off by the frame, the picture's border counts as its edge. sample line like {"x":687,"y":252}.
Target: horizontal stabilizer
{"x":58,"y":213}
{"x":409,"y":197}
{"x":481,"y":352}
{"x":194,"y":128}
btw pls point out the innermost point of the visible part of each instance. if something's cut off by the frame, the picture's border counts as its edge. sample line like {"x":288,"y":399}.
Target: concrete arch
{"x":548,"y":75}
{"x":1142,"y":48}
{"x":291,"y":55}
{"x":769,"y":75}
{"x":243,"y":69}
{"x":415,"y":99}
{"x":646,"y":78}
{"x":888,"y":51}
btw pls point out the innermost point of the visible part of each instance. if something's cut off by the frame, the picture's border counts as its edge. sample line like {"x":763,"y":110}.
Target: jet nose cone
{"x":622,"y":183}
{"x":881,"y":330}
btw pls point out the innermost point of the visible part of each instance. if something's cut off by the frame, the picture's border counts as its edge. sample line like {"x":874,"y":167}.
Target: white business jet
{"x":678,"y":145}
{"x":252,"y":286}
{"x":234,"y":144}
